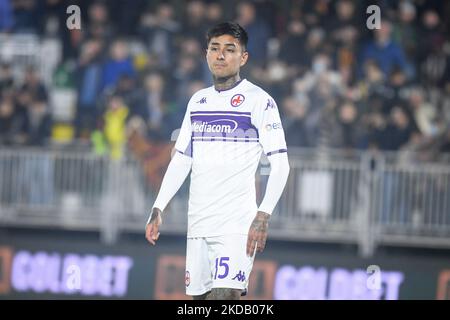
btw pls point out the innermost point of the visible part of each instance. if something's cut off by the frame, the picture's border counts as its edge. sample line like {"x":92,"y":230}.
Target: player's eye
{"x":230,"y":50}
{"x":213,"y":49}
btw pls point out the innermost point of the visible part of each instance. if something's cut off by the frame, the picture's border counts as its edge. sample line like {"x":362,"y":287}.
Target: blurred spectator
{"x":321,"y":73}
{"x":39,"y":123}
{"x":118,"y":64}
{"x":6,"y":77}
{"x":115,"y":117}
{"x":350,"y":133}
{"x":405,"y":31}
{"x":376,"y":125}
{"x":445,"y":142}
{"x":322,"y":86}
{"x":99,"y":22}
{"x":31,"y":116}
{"x":294,"y":123}
{"x":33,"y":87}
{"x":154,"y":109}
{"x":6,"y":16}
{"x":125,"y":15}
{"x":314,"y":45}
{"x":188,"y":69}
{"x":425,"y":115}
{"x":6,"y":120}
{"x":194,"y":24}
{"x":158,"y":32}
{"x":345,"y":35}
{"x":316,"y":12}
{"x":133,"y":96}
{"x":374,"y":82}
{"x":396,"y":90}
{"x":432,"y":59}
{"x":431,"y":34}
{"x":276,"y":76}
{"x":258,"y":31}
{"x":398,"y":131}
{"x":214,"y":13}
{"x":88,"y":83}
{"x":386,"y":52}
{"x":292,"y":44}
{"x":53,"y":17}
{"x":344,"y":25}
{"x":26,"y":19}
{"x":27,"y":111}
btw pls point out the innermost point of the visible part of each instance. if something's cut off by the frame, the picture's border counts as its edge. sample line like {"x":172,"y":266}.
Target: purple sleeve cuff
{"x":276,"y":151}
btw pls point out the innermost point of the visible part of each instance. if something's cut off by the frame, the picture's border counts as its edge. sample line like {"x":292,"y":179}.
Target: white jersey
{"x":225,"y":132}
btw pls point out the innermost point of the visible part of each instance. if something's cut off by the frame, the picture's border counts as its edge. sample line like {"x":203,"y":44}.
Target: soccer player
{"x":225,"y":129}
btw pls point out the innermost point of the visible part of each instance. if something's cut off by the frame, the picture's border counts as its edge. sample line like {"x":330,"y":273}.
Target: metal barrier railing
{"x":411,"y":203}
{"x":361,"y":198}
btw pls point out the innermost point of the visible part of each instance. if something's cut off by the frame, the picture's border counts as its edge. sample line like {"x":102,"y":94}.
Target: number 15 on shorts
{"x":222,"y":268}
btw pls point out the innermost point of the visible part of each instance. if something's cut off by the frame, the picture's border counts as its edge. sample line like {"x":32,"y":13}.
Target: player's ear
{"x":244,"y":58}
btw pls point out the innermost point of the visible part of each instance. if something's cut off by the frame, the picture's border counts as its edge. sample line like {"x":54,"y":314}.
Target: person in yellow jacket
{"x":115,"y":126}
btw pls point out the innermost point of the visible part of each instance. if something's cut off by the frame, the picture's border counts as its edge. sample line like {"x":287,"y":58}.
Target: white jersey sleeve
{"x":184,"y":140}
{"x":266,"y":119}
{"x":279,"y":173}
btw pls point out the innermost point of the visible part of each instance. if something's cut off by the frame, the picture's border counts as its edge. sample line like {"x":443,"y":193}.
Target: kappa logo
{"x":270,"y":104}
{"x":187,"y":279}
{"x":202,"y":100}
{"x":240,"y":276}
{"x":237,"y":100}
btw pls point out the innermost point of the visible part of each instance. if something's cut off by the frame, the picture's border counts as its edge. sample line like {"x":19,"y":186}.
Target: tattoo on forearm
{"x":261,"y":222}
{"x":155,"y":215}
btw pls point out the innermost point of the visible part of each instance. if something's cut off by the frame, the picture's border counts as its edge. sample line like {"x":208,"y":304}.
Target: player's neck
{"x":221,"y":84}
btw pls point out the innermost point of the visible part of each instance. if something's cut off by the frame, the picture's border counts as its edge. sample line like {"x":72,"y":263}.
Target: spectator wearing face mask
{"x":321,"y":73}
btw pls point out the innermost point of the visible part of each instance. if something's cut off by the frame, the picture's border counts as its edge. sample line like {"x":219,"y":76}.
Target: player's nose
{"x":220,"y":56}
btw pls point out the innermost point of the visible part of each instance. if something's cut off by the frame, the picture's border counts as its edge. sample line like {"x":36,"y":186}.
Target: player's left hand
{"x":257,"y":234}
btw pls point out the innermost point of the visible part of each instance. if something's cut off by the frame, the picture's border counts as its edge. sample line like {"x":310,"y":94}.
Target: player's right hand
{"x":152,"y":228}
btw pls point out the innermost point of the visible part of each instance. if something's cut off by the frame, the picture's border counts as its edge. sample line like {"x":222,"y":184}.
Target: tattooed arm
{"x":257,"y":234}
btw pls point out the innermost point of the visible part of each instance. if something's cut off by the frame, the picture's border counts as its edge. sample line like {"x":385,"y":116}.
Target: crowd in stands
{"x":135,"y":64}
